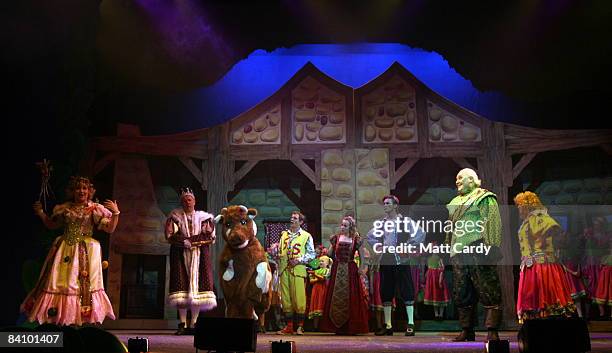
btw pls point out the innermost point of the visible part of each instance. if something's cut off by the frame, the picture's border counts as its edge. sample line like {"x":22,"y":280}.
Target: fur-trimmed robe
{"x":191,"y":281}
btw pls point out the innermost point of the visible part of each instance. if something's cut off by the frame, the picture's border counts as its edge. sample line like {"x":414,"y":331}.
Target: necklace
{"x":74,"y":223}
{"x":189,"y":225}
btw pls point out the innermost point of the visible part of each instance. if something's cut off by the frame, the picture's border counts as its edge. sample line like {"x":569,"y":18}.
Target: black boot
{"x":467,"y":320}
{"x":492,"y":317}
{"x":492,"y":335}
{"x":409,"y":330}
{"x":467,"y":334}
{"x":181,"y":329}
{"x":384,"y":331}
{"x":492,"y":322}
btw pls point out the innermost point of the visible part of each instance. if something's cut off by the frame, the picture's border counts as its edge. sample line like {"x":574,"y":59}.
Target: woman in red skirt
{"x":596,"y":241}
{"x":436,"y":291}
{"x":603,"y":294}
{"x":543,"y":287}
{"x":346,"y":305}
{"x":573,"y":273}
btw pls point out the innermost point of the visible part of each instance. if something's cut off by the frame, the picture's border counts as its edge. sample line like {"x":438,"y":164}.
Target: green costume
{"x":474,"y":276}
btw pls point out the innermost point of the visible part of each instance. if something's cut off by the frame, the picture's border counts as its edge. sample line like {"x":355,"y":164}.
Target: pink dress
{"x":70,"y":290}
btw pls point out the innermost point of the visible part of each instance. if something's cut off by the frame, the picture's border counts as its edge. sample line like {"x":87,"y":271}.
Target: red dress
{"x":346,"y":306}
{"x":318,"y":279}
{"x":603,"y":293}
{"x":577,"y":288}
{"x":435,"y":294}
{"x":543,"y":288}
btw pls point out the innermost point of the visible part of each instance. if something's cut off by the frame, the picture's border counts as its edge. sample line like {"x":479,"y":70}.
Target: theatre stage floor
{"x":425,"y":342}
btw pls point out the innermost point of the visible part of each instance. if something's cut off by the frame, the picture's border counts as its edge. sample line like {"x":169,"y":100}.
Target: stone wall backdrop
{"x":337,"y":189}
{"x":591,"y":191}
{"x":562,"y":195}
{"x":271,"y":203}
{"x":353,"y":182}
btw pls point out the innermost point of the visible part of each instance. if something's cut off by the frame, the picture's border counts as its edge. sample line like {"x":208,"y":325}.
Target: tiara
{"x":74,"y":180}
{"x":186,"y":191}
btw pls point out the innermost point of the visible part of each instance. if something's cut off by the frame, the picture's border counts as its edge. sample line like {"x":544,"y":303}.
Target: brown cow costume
{"x":244,"y":269}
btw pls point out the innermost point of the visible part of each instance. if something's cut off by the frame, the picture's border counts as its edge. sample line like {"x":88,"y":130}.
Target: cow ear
{"x":252,"y":213}
{"x":219,"y":218}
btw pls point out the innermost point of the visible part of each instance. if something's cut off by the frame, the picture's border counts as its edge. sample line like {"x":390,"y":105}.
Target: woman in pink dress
{"x":70,"y":290}
{"x":346,"y":305}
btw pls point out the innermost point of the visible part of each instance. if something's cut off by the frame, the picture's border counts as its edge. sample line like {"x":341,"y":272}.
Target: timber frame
{"x":493,"y":151}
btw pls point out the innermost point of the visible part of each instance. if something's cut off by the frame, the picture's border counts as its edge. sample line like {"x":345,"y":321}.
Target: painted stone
{"x":331,"y":158}
{"x":270,"y":135}
{"x":394,"y":110}
{"x":324,"y":174}
{"x":404,"y":134}
{"x":349,"y":205}
{"x":274,"y":119}
{"x":331,"y":218}
{"x":435,"y":134}
{"x":344,"y":191}
{"x":251,"y":137}
{"x":332,"y":205}
{"x":336,"y":118}
{"x":385,"y":134}
{"x":330,"y":133}
{"x":365,"y":196}
{"x":449,"y":124}
{"x":379,"y":158}
{"x":370,"y":133}
{"x":410,"y":118}
{"x":326,"y":188}
{"x":368,"y":178}
{"x":341,"y":174}
{"x":299,"y":132}
{"x":435,"y":114}
{"x":305,"y":115}
{"x":468,"y":133}
{"x":314,"y":127}
{"x":369,"y":212}
{"x":384,"y":122}
{"x":260,"y":124}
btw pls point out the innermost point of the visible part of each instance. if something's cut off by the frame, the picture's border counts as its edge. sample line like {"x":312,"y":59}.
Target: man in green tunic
{"x":475,"y":217}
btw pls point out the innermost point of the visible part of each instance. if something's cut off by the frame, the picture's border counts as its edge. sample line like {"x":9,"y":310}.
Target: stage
{"x":166,"y":341}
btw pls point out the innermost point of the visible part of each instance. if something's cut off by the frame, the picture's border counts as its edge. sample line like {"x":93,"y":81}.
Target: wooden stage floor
{"x":424,"y":342}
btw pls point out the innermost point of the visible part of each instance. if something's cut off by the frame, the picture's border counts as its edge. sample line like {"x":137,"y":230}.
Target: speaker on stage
{"x":497,"y":346}
{"x":554,"y":335}
{"x":224,"y":334}
{"x":283,"y":347}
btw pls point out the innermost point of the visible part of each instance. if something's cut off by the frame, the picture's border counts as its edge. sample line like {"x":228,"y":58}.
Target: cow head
{"x":237,"y":224}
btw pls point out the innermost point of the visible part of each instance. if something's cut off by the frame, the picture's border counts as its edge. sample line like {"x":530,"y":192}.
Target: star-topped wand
{"x":46,"y":193}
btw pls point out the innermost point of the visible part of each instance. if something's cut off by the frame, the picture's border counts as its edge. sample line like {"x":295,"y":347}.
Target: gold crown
{"x":186,"y":192}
